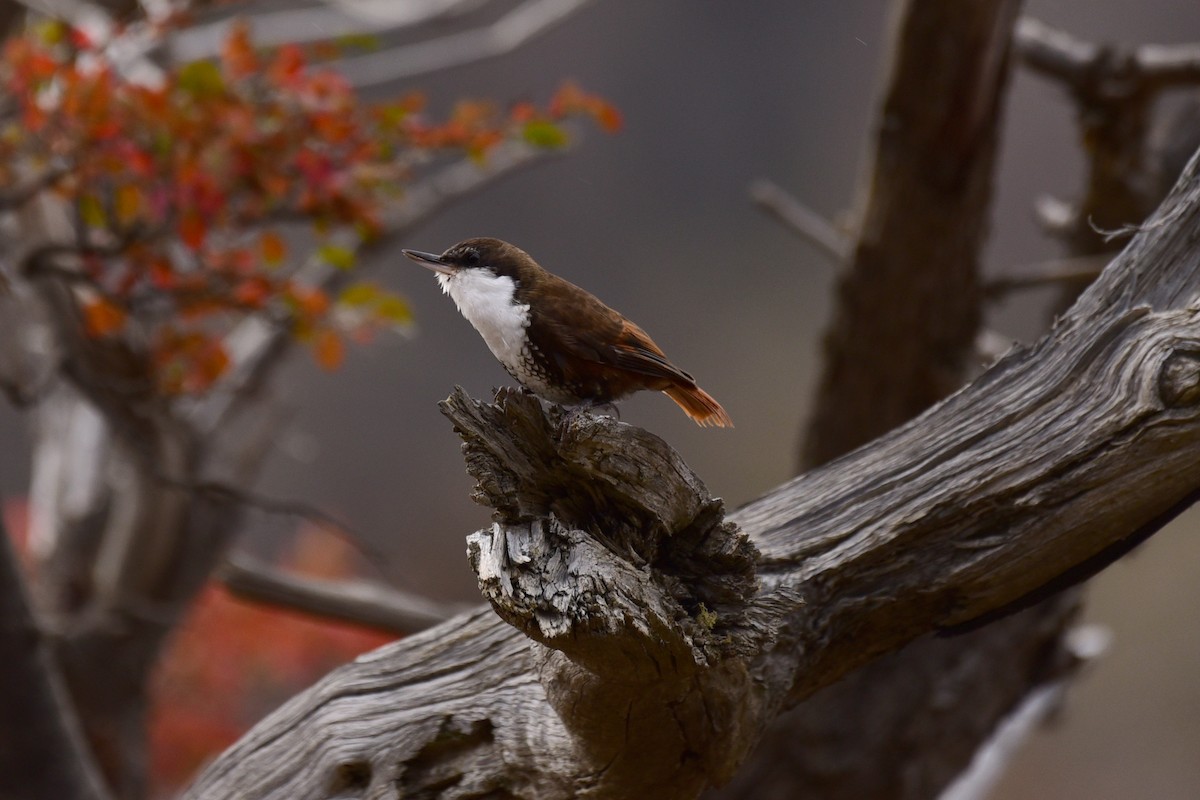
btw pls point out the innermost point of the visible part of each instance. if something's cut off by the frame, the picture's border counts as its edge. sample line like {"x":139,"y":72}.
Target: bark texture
{"x":906,"y":725}
{"x":913,"y":278}
{"x":614,"y":668}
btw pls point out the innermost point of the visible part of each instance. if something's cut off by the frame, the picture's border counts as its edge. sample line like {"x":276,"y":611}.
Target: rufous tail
{"x":700,"y":406}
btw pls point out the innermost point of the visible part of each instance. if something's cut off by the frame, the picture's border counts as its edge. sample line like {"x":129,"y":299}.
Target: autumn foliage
{"x":231,"y":662}
{"x":184,"y":185}
{"x":175,"y":204}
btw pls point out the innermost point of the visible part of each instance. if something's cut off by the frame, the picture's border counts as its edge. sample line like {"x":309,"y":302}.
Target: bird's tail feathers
{"x":699,"y":405}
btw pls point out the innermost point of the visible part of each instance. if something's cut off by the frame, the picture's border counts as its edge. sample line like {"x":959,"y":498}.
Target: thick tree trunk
{"x":906,"y":725}
{"x":42,"y":753}
{"x":657,"y":660}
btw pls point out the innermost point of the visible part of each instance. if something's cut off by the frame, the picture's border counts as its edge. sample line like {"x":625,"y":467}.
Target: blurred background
{"x":656,"y":220}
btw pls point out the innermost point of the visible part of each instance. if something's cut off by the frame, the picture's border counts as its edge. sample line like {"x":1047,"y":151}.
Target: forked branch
{"x":658,"y":657}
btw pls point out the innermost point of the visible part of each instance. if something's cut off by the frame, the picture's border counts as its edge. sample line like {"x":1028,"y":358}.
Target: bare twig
{"x":19,"y":195}
{"x":314,"y":24}
{"x":506,"y":34}
{"x":1053,"y":52}
{"x":801,"y":220}
{"x":1082,"y":269}
{"x":270,"y":505}
{"x":358,"y":601}
{"x":1058,"y":54}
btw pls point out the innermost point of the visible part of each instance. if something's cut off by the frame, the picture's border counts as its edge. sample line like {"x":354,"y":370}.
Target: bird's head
{"x":481,"y":258}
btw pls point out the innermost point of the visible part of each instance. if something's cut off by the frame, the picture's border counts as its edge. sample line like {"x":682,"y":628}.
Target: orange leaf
{"x":328,"y":349}
{"x":608,"y":117}
{"x":288,"y":66}
{"x":210,"y":363}
{"x":102,"y":318}
{"x":128,"y":203}
{"x":274,"y":248}
{"x":161,"y":274}
{"x":309,"y":302}
{"x":237,"y":53}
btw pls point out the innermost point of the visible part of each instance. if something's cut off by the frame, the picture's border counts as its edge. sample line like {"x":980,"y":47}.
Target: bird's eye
{"x":470,"y":258}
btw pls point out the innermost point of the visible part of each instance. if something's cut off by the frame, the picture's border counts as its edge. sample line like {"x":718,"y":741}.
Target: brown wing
{"x":611,"y":340}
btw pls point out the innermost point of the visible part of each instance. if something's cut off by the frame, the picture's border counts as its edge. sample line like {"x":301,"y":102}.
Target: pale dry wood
{"x":801,"y":220}
{"x":527,"y":20}
{"x":1040,"y":471}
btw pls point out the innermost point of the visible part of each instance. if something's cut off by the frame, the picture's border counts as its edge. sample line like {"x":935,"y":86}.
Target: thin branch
{"x":215,"y":490}
{"x":1058,"y":54}
{"x":1082,"y":269}
{"x":801,"y":220}
{"x":19,"y":195}
{"x":357,"y":601}
{"x":992,"y":759}
{"x":315,"y":24}
{"x":506,"y":34}
{"x":1053,"y":52}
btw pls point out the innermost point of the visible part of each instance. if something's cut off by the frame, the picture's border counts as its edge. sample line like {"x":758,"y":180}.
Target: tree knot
{"x":1179,"y":379}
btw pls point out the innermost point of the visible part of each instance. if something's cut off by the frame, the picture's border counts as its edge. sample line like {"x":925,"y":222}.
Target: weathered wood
{"x":904,"y":335}
{"x":1056,"y":455}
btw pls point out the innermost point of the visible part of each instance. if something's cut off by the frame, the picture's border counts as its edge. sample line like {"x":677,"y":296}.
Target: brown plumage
{"x":557,"y":339}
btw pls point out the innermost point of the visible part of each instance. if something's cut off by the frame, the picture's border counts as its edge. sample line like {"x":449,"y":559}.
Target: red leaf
{"x":253,"y":292}
{"x":288,"y":65}
{"x":192,"y":229}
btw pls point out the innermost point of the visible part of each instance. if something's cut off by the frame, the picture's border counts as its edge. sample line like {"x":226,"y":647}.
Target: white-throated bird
{"x":557,"y":339}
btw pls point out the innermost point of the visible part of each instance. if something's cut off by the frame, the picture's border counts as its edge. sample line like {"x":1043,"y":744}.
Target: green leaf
{"x":51,"y":32}
{"x":201,"y":79}
{"x":359,"y":294}
{"x":393,"y":309}
{"x":358,"y":41}
{"x":91,"y":211}
{"x":543,"y":133}
{"x":336,"y":256}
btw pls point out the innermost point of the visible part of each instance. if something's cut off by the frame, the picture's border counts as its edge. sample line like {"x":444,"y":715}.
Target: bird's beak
{"x":430,"y":261}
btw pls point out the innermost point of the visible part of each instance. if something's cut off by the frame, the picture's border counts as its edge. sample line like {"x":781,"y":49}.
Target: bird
{"x":556,"y":339}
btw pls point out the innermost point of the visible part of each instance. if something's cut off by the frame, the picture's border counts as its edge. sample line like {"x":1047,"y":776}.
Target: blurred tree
{"x":183,"y":207}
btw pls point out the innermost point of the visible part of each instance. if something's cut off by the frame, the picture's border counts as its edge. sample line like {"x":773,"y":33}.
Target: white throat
{"x":486,"y":300}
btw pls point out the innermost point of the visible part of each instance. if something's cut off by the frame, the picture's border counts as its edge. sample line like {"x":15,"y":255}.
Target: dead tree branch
{"x":518,"y":26}
{"x":358,"y":601}
{"x":801,"y":220}
{"x":1114,"y":90}
{"x":664,"y":643}
{"x":905,"y":333}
